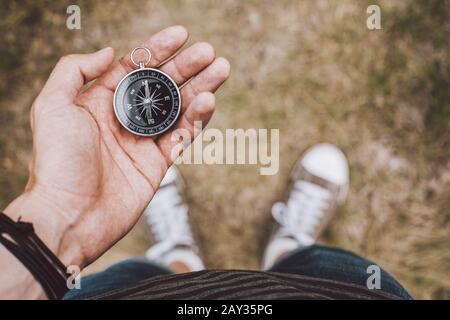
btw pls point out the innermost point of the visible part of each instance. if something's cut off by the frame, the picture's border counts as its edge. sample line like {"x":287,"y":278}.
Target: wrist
{"x":50,"y":224}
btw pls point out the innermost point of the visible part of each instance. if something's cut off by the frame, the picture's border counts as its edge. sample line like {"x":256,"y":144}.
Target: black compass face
{"x":147,"y":102}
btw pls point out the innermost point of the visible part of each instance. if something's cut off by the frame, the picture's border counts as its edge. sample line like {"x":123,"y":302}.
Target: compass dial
{"x":147,"y":102}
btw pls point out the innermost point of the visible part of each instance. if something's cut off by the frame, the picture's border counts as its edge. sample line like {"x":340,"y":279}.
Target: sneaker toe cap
{"x":327,"y":162}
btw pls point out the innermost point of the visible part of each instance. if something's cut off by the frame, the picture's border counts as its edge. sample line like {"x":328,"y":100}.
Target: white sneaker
{"x":167,"y":217}
{"x":318,"y":183}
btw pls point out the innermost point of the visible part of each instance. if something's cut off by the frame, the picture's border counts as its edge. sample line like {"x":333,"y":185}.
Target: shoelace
{"x":302,"y":213}
{"x":168,"y":217}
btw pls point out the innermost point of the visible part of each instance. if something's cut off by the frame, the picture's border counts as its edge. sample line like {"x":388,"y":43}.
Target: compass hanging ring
{"x":147,"y":101}
{"x":141,"y":64}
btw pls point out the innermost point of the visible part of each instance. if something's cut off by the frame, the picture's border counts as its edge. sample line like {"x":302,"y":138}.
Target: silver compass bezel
{"x":116,"y":107}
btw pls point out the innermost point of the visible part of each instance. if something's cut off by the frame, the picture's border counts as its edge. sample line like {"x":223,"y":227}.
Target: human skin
{"x":89,"y":178}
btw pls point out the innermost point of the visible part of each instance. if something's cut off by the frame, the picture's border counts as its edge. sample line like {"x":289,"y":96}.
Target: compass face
{"x":147,"y":102}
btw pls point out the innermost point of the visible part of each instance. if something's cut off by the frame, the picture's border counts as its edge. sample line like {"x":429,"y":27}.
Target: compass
{"x":147,"y":101}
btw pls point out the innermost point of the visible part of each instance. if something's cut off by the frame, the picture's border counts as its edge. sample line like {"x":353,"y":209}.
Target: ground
{"x":311,"y":69}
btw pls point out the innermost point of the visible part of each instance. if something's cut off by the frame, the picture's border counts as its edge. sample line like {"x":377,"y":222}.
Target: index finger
{"x":162,"y":45}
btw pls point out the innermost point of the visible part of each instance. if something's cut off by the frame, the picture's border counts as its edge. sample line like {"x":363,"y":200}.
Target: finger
{"x":209,"y":80}
{"x":73,"y":71}
{"x":189,"y":62}
{"x":201,"y":109}
{"x":162,"y":45}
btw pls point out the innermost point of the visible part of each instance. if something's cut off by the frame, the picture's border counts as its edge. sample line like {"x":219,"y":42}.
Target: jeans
{"x":314,"y":261}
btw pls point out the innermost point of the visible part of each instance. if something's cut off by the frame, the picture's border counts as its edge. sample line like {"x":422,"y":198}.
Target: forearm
{"x":16,"y":282}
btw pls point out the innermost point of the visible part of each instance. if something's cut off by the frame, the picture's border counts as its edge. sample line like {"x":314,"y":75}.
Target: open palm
{"x":99,"y":175}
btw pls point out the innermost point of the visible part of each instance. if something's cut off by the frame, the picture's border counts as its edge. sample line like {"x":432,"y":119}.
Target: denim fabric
{"x":338,"y":265}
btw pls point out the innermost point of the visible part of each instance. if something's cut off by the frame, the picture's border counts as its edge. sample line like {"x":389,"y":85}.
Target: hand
{"x":90,"y":179}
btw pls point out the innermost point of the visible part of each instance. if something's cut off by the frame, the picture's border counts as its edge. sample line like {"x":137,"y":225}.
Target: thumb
{"x":74,"y":70}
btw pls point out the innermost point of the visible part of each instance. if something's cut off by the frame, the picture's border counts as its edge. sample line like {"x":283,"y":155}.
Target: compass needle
{"x":149,"y":115}
{"x":147,"y":90}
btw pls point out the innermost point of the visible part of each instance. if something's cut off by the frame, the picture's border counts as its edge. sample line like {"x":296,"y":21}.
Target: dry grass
{"x":312,"y":69}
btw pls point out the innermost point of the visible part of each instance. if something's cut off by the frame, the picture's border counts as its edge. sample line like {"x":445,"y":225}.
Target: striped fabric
{"x":234,"y":284}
